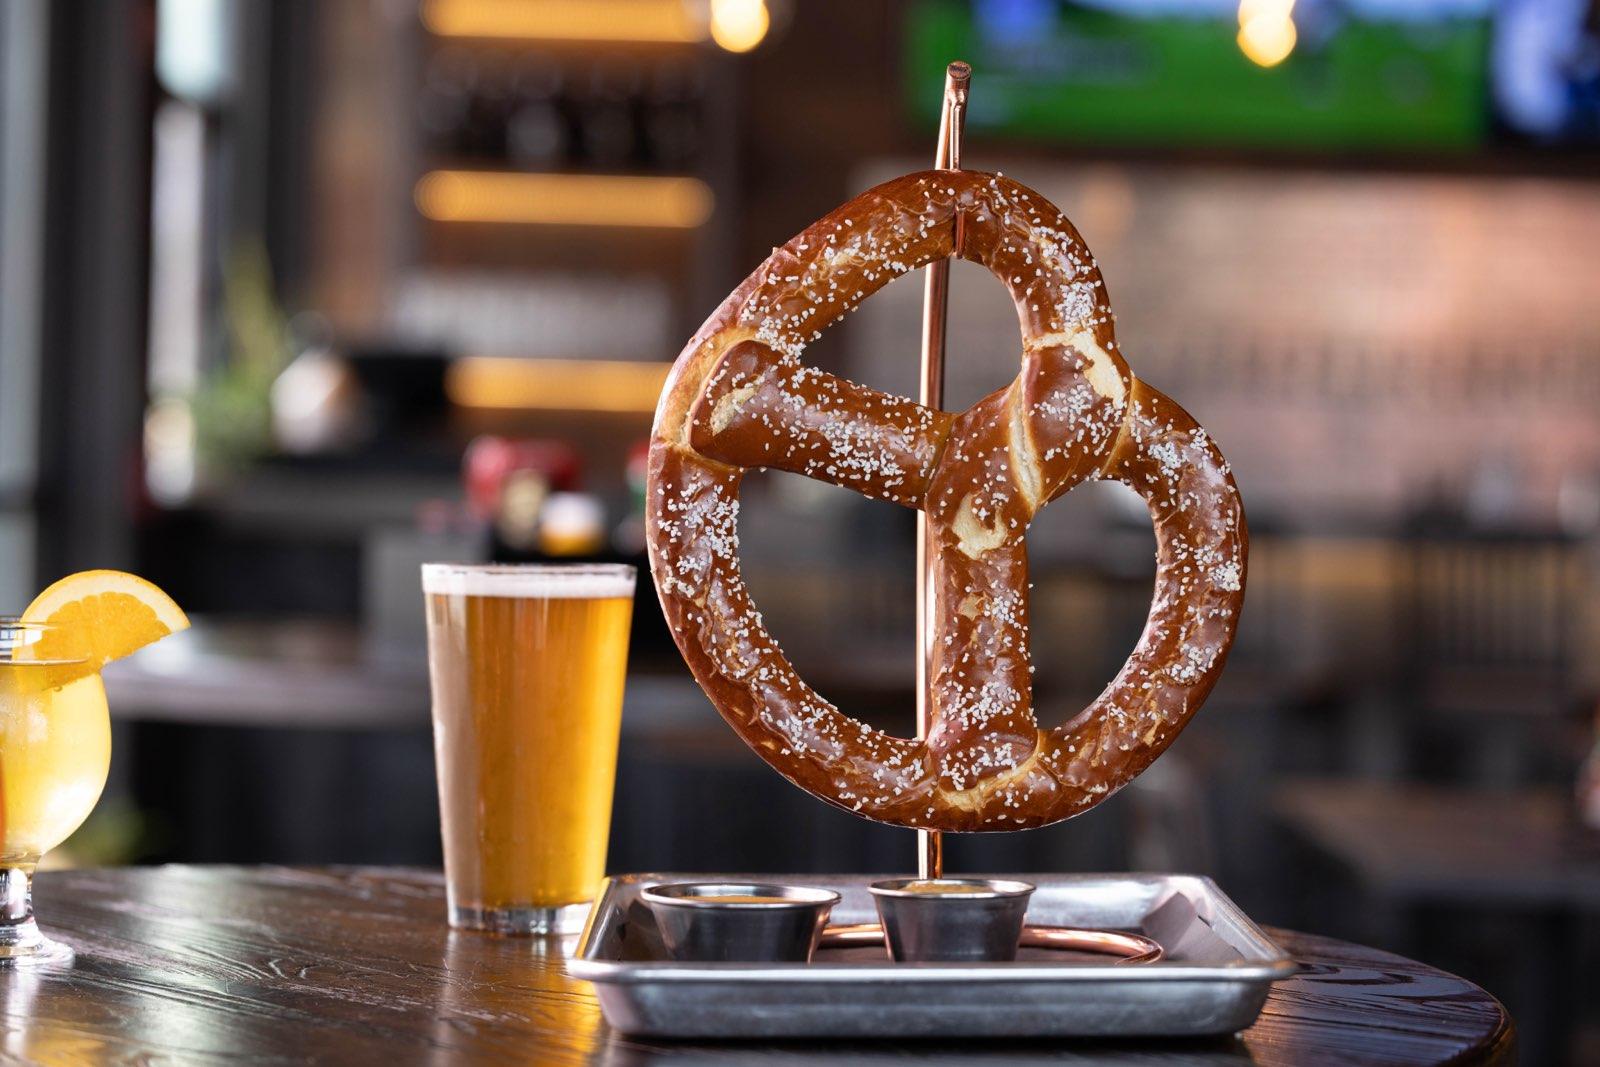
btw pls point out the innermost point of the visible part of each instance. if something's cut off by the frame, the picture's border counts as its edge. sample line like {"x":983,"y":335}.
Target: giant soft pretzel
{"x":739,"y":397}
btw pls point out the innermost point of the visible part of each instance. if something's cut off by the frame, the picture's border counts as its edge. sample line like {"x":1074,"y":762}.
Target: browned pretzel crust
{"x":739,"y":398}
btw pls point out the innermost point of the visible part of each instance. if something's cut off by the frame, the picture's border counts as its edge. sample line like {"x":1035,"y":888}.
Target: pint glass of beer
{"x":527,"y":666}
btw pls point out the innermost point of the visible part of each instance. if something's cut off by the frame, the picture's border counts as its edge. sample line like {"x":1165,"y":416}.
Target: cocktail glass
{"x":55,"y":752}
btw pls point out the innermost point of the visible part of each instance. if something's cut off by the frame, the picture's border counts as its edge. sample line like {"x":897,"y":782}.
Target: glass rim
{"x":531,"y":580}
{"x":15,"y":636}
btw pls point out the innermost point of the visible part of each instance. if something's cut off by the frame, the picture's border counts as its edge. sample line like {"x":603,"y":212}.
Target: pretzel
{"x":739,"y":398}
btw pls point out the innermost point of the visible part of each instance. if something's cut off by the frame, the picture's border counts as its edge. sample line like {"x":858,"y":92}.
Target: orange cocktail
{"x":55,"y":751}
{"x":55,"y":730}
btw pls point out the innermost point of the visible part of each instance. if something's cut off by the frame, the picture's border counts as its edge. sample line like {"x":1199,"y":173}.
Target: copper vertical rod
{"x":935,"y":305}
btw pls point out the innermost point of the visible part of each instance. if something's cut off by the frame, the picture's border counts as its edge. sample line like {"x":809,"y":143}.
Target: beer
{"x":527,"y":666}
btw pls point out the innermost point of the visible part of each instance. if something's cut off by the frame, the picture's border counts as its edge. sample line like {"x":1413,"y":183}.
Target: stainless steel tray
{"x":1213,"y":979}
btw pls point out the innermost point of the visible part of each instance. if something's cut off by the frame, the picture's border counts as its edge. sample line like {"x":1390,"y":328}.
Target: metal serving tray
{"x":1213,"y":980}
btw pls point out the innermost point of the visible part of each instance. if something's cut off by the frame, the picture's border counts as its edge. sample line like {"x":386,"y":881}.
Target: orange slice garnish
{"x":101,"y":616}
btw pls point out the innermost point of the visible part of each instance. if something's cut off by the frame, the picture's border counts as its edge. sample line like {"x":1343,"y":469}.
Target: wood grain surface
{"x":348,"y":966}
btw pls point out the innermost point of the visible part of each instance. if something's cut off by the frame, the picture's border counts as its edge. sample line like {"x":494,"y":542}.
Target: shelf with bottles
{"x":578,"y":138}
{"x":567,"y":111}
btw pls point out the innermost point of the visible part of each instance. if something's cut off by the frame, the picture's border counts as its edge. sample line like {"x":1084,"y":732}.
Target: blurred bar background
{"x":295,"y":296}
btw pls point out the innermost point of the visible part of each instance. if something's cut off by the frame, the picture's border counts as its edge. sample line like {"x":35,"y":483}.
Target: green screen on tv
{"x":1203,"y":72}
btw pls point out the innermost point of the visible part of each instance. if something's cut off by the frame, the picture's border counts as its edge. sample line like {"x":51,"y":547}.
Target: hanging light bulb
{"x":739,"y":25}
{"x":1266,"y":31}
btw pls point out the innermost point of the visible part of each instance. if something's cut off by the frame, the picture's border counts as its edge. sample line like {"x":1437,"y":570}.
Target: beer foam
{"x":533,"y":581}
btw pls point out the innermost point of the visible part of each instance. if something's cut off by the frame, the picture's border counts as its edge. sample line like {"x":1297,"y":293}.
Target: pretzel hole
{"x":833,"y":575}
{"x":980,"y":357}
{"x":1091,"y":558}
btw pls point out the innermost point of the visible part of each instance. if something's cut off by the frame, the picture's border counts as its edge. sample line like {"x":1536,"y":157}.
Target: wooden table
{"x":1402,"y":852}
{"x":204,"y":964}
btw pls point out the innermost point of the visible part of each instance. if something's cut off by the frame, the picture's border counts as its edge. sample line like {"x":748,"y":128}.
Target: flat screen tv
{"x":1430,"y":75}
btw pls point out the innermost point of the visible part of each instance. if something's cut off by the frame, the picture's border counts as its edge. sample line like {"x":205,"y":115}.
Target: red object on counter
{"x":490,"y":461}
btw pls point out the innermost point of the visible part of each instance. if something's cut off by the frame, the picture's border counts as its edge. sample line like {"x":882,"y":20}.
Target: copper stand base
{"x":1127,"y":948}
